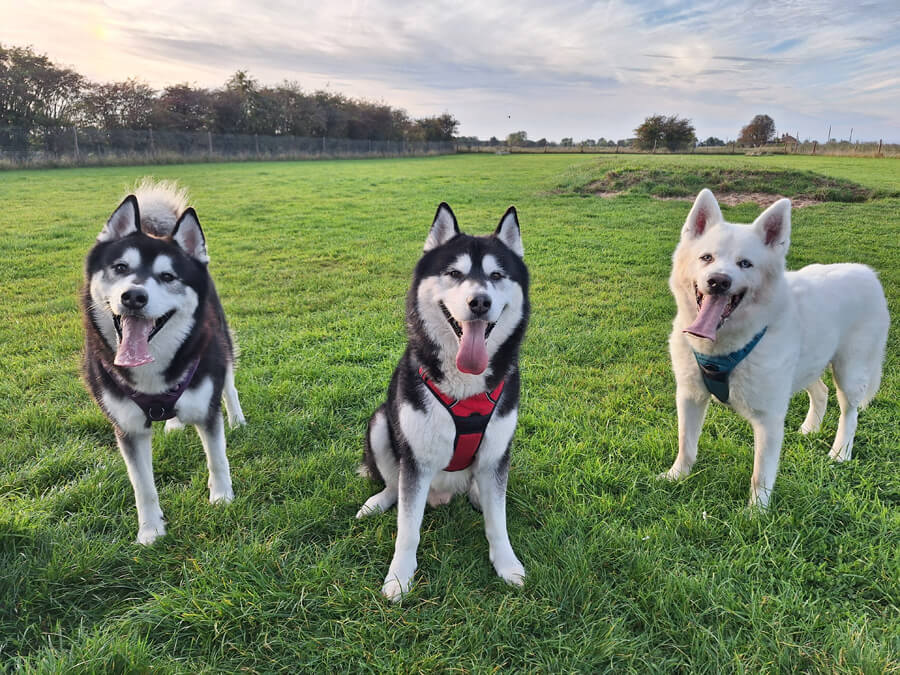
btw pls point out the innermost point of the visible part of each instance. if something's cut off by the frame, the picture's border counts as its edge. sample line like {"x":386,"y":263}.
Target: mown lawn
{"x":312,"y":261}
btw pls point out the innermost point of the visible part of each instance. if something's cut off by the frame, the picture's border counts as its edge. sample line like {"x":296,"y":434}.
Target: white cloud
{"x":570,"y":68}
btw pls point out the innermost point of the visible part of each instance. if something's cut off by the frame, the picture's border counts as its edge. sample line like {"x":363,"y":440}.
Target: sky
{"x":557,"y":69}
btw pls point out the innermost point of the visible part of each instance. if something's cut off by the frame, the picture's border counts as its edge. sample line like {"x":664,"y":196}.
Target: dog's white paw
{"x":436,"y":498}
{"x":173,"y":424}
{"x":237,"y":421}
{"x":841,"y":453}
{"x":394,"y":587}
{"x":809,"y":428}
{"x":378,"y":503}
{"x":223,"y":495}
{"x":512,"y":572}
{"x":675,"y":473}
{"x":150,"y":532}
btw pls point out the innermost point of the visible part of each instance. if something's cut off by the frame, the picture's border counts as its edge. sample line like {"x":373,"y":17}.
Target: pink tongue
{"x":472,"y":356}
{"x":134,"y":348}
{"x":707,"y":320}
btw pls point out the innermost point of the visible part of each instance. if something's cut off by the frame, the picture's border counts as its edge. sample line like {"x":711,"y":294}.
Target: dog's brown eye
{"x":496,"y":276}
{"x":706,"y":257}
{"x":120,"y":268}
{"x":745,"y":264}
{"x":455,"y":274}
{"x":167,"y":277}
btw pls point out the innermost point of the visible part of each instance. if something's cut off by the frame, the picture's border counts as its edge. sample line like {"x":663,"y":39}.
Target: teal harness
{"x":716,"y":369}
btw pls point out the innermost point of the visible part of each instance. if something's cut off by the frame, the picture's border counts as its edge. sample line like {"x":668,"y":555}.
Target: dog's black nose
{"x":718,"y":283}
{"x":134,"y":298}
{"x":480,"y":304}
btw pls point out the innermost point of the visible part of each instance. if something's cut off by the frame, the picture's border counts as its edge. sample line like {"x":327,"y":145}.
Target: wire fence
{"x":64,"y":146}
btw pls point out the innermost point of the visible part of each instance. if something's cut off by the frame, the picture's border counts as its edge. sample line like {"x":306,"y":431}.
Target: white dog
{"x":752,"y":335}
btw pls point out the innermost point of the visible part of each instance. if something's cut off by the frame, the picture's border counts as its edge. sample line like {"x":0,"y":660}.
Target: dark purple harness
{"x":156,"y":407}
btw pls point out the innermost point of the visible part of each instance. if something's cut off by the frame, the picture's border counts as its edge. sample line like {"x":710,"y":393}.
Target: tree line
{"x":36,"y":94}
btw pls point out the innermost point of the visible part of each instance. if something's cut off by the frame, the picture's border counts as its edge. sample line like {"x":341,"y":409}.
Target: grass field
{"x":312,"y":261}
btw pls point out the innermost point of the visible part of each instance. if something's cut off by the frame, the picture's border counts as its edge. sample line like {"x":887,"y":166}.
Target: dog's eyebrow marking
{"x":163,"y":263}
{"x":131,"y":257}
{"x":463,"y":263}
{"x":490,"y":264}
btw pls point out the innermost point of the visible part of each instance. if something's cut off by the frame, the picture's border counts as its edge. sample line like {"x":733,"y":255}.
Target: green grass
{"x":312,"y":261}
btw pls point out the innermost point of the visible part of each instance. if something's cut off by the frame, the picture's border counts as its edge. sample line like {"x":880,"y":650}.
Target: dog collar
{"x":156,"y":407}
{"x":716,"y":369}
{"x":470,"y":417}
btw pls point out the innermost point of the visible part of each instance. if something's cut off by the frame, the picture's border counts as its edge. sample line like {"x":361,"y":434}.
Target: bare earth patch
{"x":735,"y":198}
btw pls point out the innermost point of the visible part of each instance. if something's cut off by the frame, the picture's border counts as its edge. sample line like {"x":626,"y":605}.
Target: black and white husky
{"x":453,"y":400}
{"x":157,"y":345}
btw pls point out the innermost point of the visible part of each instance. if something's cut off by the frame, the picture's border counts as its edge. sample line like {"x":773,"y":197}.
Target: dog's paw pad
{"x":394,"y":589}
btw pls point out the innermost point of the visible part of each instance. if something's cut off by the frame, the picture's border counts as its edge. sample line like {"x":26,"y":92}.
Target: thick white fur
{"x":816,"y":316}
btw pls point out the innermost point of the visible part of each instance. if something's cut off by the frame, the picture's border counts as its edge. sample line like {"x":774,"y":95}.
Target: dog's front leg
{"x":768,"y":434}
{"x":691,"y":413}
{"x":491,"y":483}
{"x":414,"y":484}
{"x":212,"y":435}
{"x":138,"y":456}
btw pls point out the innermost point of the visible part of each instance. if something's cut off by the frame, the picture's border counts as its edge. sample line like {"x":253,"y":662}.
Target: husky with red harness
{"x":453,"y":401}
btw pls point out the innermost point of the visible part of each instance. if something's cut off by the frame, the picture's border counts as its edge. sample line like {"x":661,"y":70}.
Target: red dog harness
{"x":470,"y":416}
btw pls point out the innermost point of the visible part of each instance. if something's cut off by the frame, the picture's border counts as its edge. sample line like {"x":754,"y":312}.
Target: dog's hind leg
{"x":138,"y":456}
{"x":379,"y":462}
{"x":232,"y":404}
{"x":818,"y":401}
{"x":691,"y":413}
{"x":492,"y":494}
{"x":212,"y":435}
{"x":851,"y":384}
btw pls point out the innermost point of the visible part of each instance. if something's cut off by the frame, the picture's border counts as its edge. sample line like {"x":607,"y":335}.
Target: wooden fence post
{"x":75,"y":135}
{"x":815,"y":143}
{"x":209,"y":142}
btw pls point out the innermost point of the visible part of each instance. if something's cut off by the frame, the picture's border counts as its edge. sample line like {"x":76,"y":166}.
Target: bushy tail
{"x":161,"y":202}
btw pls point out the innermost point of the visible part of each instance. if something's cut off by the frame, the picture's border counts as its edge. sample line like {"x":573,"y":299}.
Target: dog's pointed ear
{"x":774,"y":225}
{"x":125,"y":220}
{"x":443,"y":229}
{"x":189,"y":236}
{"x":704,"y":214}
{"x":509,"y":233}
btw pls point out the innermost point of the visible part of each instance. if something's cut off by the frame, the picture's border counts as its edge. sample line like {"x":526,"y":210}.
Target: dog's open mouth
{"x":472,"y":356}
{"x":135,"y":333}
{"x":712,"y":312}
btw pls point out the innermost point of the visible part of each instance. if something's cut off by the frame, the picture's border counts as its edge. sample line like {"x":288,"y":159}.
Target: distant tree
{"x":184,"y":108}
{"x":565,"y":142}
{"x":671,"y":132}
{"x":712,"y":142}
{"x":541,"y":142}
{"x":494,"y":141}
{"x":120,"y":105}
{"x":760,"y":131}
{"x":34,"y":92}
{"x":517,"y":138}
{"x":441,"y":128}
{"x":590,"y":142}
